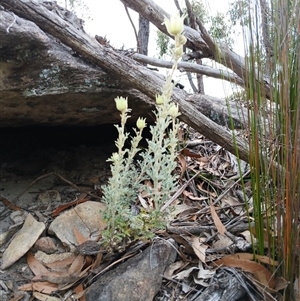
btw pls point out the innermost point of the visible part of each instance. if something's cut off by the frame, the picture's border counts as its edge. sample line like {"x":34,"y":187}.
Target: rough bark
{"x":143,"y":35}
{"x":40,"y":74}
{"x":44,"y":82}
{"x":193,"y":24}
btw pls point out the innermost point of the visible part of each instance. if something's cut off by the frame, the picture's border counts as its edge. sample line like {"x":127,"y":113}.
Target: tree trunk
{"x":200,"y":79}
{"x":143,"y":35}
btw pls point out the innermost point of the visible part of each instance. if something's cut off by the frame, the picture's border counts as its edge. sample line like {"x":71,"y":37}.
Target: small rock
{"x":18,"y":217}
{"x":23,"y":241}
{"x":85,"y":217}
{"x":48,"y":196}
{"x":46,"y":245}
{"x":50,"y":258}
{"x":139,"y":278}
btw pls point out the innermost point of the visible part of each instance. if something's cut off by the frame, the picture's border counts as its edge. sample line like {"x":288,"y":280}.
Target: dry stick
{"x":192,"y":186}
{"x":111,"y":265}
{"x":134,"y":29}
{"x":179,"y":8}
{"x":60,"y":177}
{"x":191,"y":67}
{"x":178,"y":193}
{"x":230,"y":187}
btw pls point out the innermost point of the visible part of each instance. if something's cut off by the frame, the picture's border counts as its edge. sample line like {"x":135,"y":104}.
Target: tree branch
{"x":134,"y":29}
{"x":222,"y":55}
{"x":190,"y":67}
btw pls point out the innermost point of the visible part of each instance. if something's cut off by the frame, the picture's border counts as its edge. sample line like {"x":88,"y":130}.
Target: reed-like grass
{"x":274,"y":139}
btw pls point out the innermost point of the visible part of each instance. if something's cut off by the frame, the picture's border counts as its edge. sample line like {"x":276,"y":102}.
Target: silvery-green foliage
{"x":152,"y":175}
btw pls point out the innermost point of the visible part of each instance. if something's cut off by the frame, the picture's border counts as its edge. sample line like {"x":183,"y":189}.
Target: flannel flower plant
{"x":129,"y":179}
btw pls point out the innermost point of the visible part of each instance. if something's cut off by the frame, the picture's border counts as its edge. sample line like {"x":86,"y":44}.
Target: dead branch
{"x":190,"y":67}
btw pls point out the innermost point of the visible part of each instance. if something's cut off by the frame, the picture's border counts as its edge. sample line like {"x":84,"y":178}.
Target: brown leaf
{"x":44,"y":286}
{"x":44,"y":297}
{"x":63,"y":207}
{"x":200,"y":187}
{"x":9,"y":204}
{"x":199,"y":248}
{"x":36,"y":267}
{"x":88,"y":261}
{"x":190,"y":153}
{"x":259,"y":272}
{"x":250,"y":256}
{"x":23,"y":241}
{"x":61,"y":263}
{"x":183,"y":164}
{"x":77,"y":265}
{"x":79,"y":293}
{"x":98,"y":261}
{"x":79,"y":236}
{"x":221,"y":228}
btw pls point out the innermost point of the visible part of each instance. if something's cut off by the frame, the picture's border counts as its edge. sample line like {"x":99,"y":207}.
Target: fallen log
{"x":124,"y":68}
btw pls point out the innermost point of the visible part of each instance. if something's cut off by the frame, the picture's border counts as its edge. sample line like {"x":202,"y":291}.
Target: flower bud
{"x":141,"y":123}
{"x":160,"y":99}
{"x":121,"y":104}
{"x":174,"y":24}
{"x":173,"y":111}
{"x":115,"y":157}
{"x":178,"y":52}
{"x":182,"y":39}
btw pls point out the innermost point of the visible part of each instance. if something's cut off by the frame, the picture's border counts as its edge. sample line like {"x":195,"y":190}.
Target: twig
{"x":192,"y":186}
{"x":60,"y":177}
{"x":134,"y":29}
{"x":208,"y":39}
{"x":178,"y":193}
{"x":12,"y":23}
{"x":111,"y":265}
{"x":230,"y":187}
{"x":189,"y":76}
{"x":179,"y":8}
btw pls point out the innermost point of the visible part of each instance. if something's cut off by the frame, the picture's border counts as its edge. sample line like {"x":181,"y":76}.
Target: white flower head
{"x":173,"y":111}
{"x":160,"y":99}
{"x":174,"y":24}
{"x":114,"y":158}
{"x":121,"y":104}
{"x":141,"y":123}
